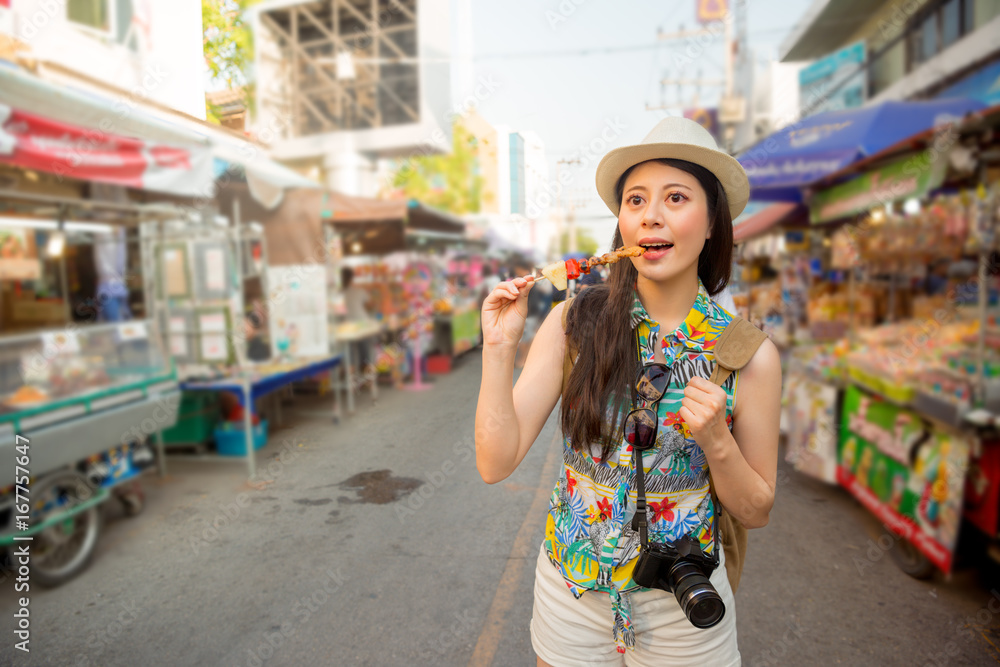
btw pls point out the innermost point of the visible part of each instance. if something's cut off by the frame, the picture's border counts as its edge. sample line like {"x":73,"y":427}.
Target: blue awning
{"x":817,"y":146}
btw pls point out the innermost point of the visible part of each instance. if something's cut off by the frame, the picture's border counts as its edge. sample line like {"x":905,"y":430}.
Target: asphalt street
{"x":375,"y":542}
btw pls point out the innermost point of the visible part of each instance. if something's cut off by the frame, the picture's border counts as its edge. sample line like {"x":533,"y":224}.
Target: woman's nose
{"x":653,"y":216}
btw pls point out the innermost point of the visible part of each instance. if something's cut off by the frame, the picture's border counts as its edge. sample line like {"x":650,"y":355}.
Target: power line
{"x":594,"y":52}
{"x":559,"y":54}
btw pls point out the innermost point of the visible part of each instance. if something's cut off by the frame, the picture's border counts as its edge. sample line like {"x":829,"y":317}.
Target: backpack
{"x":734,"y":348}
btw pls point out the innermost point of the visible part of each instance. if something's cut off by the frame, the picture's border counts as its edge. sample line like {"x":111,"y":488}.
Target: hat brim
{"x":725,"y":167}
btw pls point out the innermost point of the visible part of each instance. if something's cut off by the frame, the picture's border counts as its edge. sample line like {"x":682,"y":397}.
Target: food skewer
{"x":561,"y":272}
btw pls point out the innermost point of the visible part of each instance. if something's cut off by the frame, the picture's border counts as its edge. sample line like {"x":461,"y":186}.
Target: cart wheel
{"x":910,"y":560}
{"x":65,"y":548}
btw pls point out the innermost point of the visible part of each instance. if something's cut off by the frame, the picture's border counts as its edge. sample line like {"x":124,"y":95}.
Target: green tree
{"x":227,"y":43}
{"x":448,"y":182}
{"x":585,"y":243}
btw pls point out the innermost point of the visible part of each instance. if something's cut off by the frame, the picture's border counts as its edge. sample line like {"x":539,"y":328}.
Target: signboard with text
{"x":907,"y":473}
{"x":712,"y":10}
{"x":835,"y":82}
{"x":913,"y":176}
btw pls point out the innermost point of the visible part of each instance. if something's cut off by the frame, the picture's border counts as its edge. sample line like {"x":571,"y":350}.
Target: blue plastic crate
{"x":229,"y":439}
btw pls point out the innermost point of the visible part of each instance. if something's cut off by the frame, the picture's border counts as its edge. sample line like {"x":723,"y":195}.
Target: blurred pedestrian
{"x":258,"y":349}
{"x":649,"y":333}
{"x":594,"y":277}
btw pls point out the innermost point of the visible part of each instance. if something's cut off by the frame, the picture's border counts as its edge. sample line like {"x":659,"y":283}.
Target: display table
{"x":257,"y":382}
{"x":355,"y":333}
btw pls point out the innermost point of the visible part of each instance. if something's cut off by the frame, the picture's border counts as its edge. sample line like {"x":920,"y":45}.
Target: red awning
{"x":31,"y":141}
{"x":759,"y":223}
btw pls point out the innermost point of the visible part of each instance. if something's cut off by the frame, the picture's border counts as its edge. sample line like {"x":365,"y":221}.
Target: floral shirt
{"x":588,"y":533}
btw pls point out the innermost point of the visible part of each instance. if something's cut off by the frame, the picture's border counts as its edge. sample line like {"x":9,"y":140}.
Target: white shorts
{"x":566,"y":631}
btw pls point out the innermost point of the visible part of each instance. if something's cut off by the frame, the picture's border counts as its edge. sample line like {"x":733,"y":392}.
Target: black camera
{"x":683,"y":569}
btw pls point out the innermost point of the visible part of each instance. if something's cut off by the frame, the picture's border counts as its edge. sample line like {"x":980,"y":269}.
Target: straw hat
{"x":681,"y":139}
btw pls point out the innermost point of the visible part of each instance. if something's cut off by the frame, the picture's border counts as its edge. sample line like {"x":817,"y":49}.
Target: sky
{"x":583,"y":105}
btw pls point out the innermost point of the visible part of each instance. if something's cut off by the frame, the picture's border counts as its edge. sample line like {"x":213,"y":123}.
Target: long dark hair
{"x":599,"y":326}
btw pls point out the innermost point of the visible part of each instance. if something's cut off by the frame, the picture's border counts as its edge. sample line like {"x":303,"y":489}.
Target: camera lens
{"x":696,"y":595}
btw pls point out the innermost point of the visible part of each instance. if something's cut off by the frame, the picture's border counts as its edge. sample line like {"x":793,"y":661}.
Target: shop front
{"x":890,"y":385}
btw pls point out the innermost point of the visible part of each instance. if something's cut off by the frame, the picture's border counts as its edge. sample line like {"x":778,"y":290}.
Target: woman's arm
{"x":744,"y":463}
{"x":508,"y":417}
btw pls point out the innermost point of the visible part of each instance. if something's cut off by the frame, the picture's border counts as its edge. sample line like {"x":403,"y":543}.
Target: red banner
{"x":35,"y":142}
{"x":901,"y":525}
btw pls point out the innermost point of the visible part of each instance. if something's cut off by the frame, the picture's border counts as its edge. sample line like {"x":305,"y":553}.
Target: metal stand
{"x":156,"y":238}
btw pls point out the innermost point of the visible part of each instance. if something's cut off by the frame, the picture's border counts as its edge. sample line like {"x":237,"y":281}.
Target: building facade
{"x":342,"y":86}
{"x":151,"y":50}
{"x":912,"y":50}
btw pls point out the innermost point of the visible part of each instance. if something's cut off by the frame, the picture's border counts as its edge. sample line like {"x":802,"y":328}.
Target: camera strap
{"x":639,"y":521}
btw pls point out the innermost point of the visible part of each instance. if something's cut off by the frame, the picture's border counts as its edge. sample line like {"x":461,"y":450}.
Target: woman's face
{"x":664,"y":210}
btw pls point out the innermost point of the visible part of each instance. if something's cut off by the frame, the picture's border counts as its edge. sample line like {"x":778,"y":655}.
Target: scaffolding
{"x":341,"y":65}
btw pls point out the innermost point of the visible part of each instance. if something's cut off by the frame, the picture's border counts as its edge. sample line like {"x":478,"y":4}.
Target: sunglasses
{"x":641,"y":424}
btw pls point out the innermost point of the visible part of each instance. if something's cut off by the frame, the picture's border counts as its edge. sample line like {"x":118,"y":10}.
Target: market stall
{"x":87,"y":375}
{"x":890,"y":383}
{"x":385,"y":245}
{"x":85,"y":385}
{"x":239,"y":326}
{"x":457,"y":316}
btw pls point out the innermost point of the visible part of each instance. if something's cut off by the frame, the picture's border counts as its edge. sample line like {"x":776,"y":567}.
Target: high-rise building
{"x":516,"y":195}
{"x":517,"y":180}
{"x":536,"y":175}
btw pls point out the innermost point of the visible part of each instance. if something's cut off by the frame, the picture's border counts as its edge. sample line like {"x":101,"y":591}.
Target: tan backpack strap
{"x":569,"y":355}
{"x":720,"y":375}
{"x":734,"y":348}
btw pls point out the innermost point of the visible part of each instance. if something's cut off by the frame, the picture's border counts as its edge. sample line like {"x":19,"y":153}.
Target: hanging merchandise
{"x":983,"y":210}
{"x":417,"y":283}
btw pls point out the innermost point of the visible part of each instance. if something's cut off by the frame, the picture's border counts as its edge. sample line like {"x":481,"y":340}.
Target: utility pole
{"x":731,"y":107}
{"x":698,"y":81}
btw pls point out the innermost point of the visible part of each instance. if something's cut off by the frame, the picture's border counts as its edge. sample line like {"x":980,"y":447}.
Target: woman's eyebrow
{"x":665,"y":187}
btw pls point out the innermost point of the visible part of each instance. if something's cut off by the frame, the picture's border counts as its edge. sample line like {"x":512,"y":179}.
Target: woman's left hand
{"x":703,"y":409}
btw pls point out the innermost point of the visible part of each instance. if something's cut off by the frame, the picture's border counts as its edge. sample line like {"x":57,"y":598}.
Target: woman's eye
{"x":676,"y":197}
{"x":635,"y":200}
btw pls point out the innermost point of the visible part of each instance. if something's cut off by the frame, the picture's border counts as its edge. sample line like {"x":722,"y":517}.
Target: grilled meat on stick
{"x":561,"y":272}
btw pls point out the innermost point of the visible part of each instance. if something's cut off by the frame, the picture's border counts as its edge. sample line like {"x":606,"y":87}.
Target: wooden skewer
{"x":606,"y":258}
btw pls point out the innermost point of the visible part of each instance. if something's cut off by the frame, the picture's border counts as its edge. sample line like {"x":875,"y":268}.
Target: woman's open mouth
{"x":656,"y":250}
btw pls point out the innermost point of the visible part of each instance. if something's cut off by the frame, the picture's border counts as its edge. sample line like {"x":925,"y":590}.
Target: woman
{"x":675,"y":194}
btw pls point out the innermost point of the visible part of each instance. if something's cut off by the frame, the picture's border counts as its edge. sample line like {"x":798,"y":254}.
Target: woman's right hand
{"x":505,"y":311}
